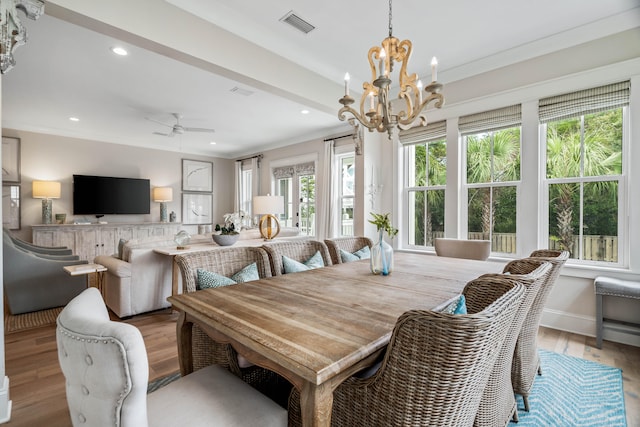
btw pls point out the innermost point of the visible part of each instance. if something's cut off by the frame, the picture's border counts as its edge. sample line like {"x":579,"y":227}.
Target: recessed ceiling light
{"x":74,"y":119}
{"x":305,"y":111}
{"x":213,"y":143}
{"x":119,"y":51}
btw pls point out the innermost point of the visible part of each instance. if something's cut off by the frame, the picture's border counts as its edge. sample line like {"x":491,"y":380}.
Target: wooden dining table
{"x":318,"y":327}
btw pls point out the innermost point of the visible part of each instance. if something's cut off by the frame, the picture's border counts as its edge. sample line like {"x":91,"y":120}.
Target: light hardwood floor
{"x":37,"y":385}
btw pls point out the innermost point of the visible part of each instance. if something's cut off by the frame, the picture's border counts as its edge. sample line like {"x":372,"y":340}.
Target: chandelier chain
{"x":390,"y":16}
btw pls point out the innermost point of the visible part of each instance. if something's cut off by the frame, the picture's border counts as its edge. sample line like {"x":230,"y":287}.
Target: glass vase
{"x":381,"y":256}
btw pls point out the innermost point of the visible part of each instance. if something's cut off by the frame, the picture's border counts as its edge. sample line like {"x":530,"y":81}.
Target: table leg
{"x":183,"y":333}
{"x":174,"y":275}
{"x":100,"y":282}
{"x":316,"y":402}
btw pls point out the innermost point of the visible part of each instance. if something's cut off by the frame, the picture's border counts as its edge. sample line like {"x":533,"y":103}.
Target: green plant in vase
{"x":382,"y":252}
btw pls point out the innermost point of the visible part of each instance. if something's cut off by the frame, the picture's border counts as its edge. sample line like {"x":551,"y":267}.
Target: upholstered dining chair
{"x":435,"y":366}
{"x":468,"y":249}
{"x":205,"y":351}
{"x":106,"y":373}
{"x":297,"y":250}
{"x":526,"y":360}
{"x":498,"y":404}
{"x":348,"y":244}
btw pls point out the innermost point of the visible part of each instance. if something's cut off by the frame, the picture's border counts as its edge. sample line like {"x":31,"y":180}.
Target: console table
{"x":90,"y":240}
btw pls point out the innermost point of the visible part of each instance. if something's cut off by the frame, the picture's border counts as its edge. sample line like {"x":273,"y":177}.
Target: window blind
{"x":430,"y":132}
{"x":500,"y":118}
{"x":289,"y":171}
{"x":584,"y":102}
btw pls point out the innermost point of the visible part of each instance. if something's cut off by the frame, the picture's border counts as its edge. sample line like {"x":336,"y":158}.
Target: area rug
{"x":574,"y":392}
{"x":21,"y":322}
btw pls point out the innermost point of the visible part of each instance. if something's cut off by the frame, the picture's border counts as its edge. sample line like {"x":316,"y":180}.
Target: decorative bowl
{"x":225,"y":239}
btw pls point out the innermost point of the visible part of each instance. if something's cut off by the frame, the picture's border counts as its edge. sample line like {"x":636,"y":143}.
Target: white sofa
{"x":140,"y":280}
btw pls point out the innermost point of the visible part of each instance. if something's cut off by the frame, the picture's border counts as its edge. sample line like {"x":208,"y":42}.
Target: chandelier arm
{"x":434,"y":97}
{"x":366,"y":123}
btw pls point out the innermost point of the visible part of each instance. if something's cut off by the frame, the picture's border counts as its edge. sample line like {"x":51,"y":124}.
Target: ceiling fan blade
{"x":163,"y":134}
{"x":199,"y":130}
{"x":159,"y":122}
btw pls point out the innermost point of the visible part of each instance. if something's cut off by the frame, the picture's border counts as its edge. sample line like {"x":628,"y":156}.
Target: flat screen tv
{"x":105,"y":195}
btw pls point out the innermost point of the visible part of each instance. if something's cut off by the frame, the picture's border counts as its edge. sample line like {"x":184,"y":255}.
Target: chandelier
{"x":376,"y":112}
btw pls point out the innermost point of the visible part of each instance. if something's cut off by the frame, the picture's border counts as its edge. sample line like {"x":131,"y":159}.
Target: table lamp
{"x":46,"y":190}
{"x":268,"y":206}
{"x":163,"y":195}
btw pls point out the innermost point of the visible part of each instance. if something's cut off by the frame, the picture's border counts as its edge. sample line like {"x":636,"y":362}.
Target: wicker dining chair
{"x":498,"y":404}
{"x":349,"y":244}
{"x":227,"y":261}
{"x":298,"y":250}
{"x":526,"y":361}
{"x":435,"y":366}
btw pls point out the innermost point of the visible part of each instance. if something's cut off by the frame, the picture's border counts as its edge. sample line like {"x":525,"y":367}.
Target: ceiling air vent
{"x":296,"y":22}
{"x":240,"y":91}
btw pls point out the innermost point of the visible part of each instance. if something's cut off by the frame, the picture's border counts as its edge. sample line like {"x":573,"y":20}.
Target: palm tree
{"x":430,"y":169}
{"x":567,"y":157}
{"x":492,"y":157}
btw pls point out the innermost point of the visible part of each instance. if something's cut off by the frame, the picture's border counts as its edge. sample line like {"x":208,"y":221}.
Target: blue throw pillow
{"x":364,"y":253}
{"x":247,"y":274}
{"x":457,"y":306}
{"x":293,"y":266}
{"x":209,"y":279}
{"x":348,"y":256}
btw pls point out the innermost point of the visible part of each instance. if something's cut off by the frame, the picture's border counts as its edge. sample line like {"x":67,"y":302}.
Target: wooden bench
{"x":610,"y":286}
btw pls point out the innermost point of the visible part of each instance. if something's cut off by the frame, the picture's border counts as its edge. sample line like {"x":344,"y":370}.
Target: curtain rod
{"x":340,"y":137}
{"x":258,"y":156}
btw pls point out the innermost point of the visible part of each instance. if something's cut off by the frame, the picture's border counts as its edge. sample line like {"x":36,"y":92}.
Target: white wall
{"x":49,"y":157}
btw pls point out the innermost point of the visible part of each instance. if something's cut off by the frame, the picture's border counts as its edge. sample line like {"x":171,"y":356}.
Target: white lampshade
{"x":162,"y":194}
{"x":45,"y":189}
{"x":268,"y":205}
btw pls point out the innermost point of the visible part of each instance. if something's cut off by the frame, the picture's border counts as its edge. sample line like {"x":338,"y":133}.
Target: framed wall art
{"x":10,"y":160}
{"x":196,"y":208}
{"x":197,"y":175}
{"x":11,"y":207}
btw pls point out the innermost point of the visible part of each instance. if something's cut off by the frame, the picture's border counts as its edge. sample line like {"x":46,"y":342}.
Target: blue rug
{"x":574,"y":392}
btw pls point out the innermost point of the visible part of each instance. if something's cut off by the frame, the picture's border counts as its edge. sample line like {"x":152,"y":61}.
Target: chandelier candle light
{"x":380,"y":115}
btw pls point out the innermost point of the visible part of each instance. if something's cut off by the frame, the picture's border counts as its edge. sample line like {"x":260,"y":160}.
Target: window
{"x":247,"y":182}
{"x":297,"y":184}
{"x":491,"y":142}
{"x":425,"y":180}
{"x":245,"y":191}
{"x":584,"y":137}
{"x":346,"y":183}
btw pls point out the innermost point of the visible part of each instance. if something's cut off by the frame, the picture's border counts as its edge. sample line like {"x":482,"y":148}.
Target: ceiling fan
{"x":177,"y":128}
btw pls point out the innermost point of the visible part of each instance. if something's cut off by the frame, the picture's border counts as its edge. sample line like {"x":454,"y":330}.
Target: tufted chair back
{"x":104,"y":364}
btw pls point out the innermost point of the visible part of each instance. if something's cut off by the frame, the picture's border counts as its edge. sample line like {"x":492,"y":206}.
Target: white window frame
{"x":623,"y":196}
{"x":340,"y":155}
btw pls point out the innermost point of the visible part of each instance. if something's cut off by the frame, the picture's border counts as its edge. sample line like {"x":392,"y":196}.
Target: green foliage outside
{"x":580,"y":147}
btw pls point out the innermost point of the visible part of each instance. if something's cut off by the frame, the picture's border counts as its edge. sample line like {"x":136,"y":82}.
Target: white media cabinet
{"x":91,"y":240}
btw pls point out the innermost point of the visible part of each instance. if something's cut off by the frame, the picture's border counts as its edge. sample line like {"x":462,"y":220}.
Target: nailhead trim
{"x":123,"y":393}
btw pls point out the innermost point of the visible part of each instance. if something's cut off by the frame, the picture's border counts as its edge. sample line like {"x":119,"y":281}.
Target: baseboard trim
{"x":5,"y":403}
{"x":584,"y":325}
